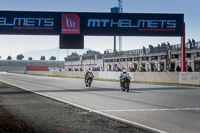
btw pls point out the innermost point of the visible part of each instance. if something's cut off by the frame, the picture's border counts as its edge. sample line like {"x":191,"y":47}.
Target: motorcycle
{"x":125,"y":83}
{"x":89,"y":80}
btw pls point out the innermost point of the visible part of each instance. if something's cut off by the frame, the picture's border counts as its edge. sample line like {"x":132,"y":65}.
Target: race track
{"x":159,"y":108}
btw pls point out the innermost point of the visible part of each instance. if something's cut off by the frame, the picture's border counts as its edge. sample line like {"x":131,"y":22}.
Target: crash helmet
{"x":124,"y":71}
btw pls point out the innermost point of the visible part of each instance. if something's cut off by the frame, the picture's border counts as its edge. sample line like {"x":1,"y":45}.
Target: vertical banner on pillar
{"x":138,"y":64}
{"x":168,"y":59}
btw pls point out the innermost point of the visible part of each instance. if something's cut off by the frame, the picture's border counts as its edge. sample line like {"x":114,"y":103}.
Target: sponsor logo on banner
{"x":124,"y":23}
{"x":20,"y":23}
{"x":70,"y":24}
{"x":32,"y":22}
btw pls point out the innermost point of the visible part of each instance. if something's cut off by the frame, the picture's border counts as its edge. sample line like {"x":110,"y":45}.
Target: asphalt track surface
{"x":159,"y":108}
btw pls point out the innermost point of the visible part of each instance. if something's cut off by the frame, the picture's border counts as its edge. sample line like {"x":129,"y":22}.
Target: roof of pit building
{"x":139,"y":52}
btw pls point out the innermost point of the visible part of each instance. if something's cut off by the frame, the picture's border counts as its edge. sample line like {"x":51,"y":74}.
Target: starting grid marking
{"x":151,"y":110}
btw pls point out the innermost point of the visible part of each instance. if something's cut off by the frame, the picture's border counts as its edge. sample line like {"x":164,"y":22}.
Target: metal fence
{"x":139,"y":52}
{"x":153,"y":50}
{"x":85,"y":58}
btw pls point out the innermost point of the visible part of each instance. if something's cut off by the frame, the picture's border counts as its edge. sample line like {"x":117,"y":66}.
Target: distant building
{"x":155,"y":58}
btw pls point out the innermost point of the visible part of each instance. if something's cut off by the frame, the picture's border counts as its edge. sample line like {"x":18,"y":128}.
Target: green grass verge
{"x":61,"y":76}
{"x":3,"y":85}
{"x":52,"y":75}
{"x":111,"y":80}
{"x":82,"y":78}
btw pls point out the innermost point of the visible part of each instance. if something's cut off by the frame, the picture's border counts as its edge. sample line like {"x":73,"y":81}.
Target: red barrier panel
{"x":37,"y":68}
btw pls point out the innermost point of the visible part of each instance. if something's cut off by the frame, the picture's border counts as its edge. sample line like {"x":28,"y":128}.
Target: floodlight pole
{"x":183,"y":69}
{"x":120,"y":6}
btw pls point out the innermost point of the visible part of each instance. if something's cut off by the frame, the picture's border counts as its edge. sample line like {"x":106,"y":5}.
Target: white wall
{"x":156,"y":77}
{"x":189,"y":78}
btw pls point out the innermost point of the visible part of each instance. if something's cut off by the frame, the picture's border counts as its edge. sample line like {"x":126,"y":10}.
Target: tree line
{"x":88,"y":53}
{"x":53,"y":58}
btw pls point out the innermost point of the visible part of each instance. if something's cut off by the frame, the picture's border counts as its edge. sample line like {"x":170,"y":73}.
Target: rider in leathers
{"x":86,"y":75}
{"x":124,"y":73}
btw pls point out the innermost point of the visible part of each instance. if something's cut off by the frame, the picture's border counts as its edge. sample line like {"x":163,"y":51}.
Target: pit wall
{"x":189,"y":78}
{"x":155,"y":77}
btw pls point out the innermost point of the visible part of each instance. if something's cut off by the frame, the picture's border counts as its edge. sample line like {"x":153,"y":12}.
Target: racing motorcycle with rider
{"x":89,"y":78}
{"x":124,"y":80}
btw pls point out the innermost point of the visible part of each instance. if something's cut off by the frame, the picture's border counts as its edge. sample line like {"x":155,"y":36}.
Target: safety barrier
{"x":154,"y":77}
{"x":37,"y":68}
{"x":189,"y":78}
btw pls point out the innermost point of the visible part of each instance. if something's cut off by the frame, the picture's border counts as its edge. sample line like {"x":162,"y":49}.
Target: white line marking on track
{"x":150,"y":110}
{"x":91,"y":110}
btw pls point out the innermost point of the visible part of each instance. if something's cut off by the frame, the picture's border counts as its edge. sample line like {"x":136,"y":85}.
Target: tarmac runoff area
{"x":24,"y":111}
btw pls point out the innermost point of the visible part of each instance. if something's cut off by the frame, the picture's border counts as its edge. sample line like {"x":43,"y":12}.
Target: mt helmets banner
{"x":30,"y":23}
{"x":97,"y":24}
{"x":129,"y":24}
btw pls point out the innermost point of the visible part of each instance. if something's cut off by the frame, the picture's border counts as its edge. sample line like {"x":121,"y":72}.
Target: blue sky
{"x":20,"y":44}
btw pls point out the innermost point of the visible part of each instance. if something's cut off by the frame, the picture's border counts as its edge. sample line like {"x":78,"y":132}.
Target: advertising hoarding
{"x":102,"y":24}
{"x":67,"y":24}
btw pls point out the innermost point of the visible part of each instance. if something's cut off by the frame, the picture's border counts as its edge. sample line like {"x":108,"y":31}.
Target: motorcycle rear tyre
{"x":127,"y":88}
{"x":89,"y":82}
